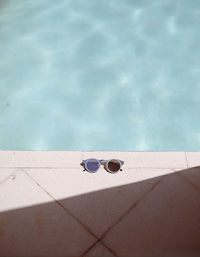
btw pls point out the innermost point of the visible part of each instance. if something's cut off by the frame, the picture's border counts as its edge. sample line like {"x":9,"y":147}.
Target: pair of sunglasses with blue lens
{"x":112,"y":165}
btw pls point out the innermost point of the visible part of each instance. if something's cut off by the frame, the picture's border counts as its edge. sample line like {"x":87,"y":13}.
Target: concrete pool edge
{"x":52,"y":201}
{"x":72,"y":159}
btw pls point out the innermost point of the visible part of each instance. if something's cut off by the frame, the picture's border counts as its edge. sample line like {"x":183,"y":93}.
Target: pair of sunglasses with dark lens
{"x":112,"y":166}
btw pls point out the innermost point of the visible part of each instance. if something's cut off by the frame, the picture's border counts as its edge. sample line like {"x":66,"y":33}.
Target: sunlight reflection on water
{"x":99,"y":75}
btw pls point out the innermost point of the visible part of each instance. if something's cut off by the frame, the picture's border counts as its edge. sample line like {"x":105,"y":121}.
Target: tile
{"x":178,"y":169}
{"x":143,"y":159}
{"x":192,"y":175}
{"x":99,"y":250}
{"x":99,"y":199}
{"x":164,"y":223}
{"x":40,"y":159}
{"x":193,"y":159}
{"x":32,"y":225}
{"x":5,"y":173}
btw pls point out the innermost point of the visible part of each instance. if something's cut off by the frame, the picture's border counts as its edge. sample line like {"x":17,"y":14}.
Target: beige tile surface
{"x":99,"y":199}
{"x":6,"y":172}
{"x":19,"y":191}
{"x":164,"y":223}
{"x":31,"y":224}
{"x":40,"y":159}
{"x":192,"y":175}
{"x":99,"y":250}
{"x":51,"y":207}
{"x":193,"y":159}
{"x":143,"y":159}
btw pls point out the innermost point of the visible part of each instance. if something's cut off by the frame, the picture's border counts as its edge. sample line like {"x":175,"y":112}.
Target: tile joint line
{"x":5,"y":179}
{"x":132,"y":207}
{"x":186,"y":180}
{"x":58,"y":203}
{"x":186,"y":160}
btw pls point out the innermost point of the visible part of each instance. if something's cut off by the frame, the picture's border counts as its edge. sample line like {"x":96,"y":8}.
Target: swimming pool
{"x":100,"y":75}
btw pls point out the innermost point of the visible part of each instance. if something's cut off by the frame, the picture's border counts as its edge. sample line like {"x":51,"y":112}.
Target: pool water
{"x":100,"y":75}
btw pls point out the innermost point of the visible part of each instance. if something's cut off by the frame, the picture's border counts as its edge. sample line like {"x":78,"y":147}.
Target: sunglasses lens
{"x":92,"y":165}
{"x":114,"y":165}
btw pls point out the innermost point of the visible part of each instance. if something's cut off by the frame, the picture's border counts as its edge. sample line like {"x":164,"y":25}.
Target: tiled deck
{"x":50,"y":207}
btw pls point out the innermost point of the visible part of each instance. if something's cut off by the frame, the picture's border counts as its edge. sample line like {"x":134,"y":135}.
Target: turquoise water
{"x":100,"y":75}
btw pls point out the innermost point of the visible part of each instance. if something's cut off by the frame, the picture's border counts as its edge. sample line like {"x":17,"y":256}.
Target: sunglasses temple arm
{"x":83,"y":164}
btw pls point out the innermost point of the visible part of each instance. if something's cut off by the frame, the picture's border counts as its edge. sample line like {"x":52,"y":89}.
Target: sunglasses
{"x":112,"y":166}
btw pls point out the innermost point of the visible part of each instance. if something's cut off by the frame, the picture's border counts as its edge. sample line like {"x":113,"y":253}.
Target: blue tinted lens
{"x":92,"y":165}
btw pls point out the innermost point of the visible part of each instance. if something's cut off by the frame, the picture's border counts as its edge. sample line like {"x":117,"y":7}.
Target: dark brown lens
{"x":113,"y":165}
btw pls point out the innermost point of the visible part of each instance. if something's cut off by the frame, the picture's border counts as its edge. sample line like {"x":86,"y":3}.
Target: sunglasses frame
{"x":103,"y":162}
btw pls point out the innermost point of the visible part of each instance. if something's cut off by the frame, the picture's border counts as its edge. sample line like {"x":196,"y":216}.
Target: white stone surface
{"x":164,"y":223}
{"x":32,"y":224}
{"x":93,"y":196}
{"x":40,"y":159}
{"x":49,"y":206}
{"x":193,"y":159}
{"x":6,"y":172}
{"x":143,"y":159}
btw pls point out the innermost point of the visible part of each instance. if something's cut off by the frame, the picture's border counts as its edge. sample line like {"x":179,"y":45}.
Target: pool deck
{"x":49,"y":206}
